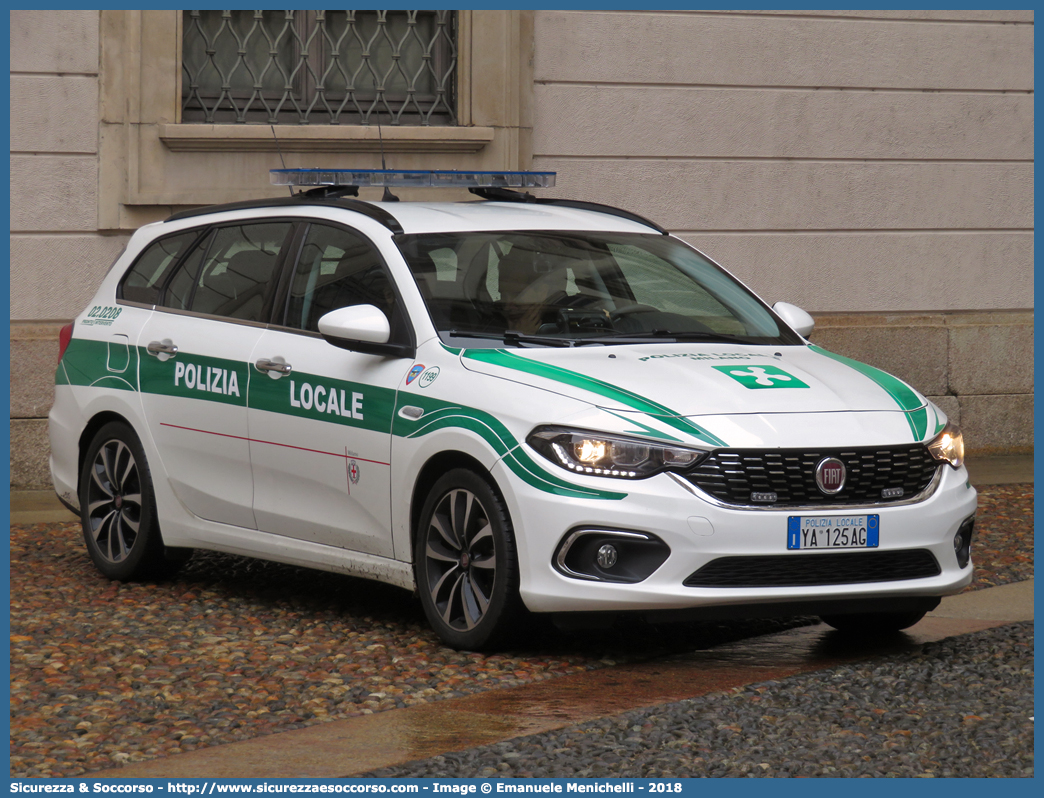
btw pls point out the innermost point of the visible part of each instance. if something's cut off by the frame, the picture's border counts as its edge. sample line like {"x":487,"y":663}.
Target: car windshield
{"x":566,"y":289}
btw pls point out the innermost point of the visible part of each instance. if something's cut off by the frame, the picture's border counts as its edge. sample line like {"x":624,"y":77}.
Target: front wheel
{"x":874,"y":622}
{"x":465,"y":562}
{"x":118,"y":509}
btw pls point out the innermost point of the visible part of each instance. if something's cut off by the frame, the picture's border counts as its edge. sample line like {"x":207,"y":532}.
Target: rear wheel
{"x":118,"y":509}
{"x":465,"y":562}
{"x":874,"y":622}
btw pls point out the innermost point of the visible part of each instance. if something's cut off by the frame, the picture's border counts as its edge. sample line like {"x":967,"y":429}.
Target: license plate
{"x":833,"y":531}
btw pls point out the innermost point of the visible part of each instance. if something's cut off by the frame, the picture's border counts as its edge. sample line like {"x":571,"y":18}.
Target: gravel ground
{"x":104,"y":673}
{"x":232,"y":649}
{"x":1003,"y":545}
{"x":961,"y":707}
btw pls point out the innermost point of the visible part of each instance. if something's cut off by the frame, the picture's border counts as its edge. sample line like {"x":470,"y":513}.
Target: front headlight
{"x":948,"y":445}
{"x":610,"y":455}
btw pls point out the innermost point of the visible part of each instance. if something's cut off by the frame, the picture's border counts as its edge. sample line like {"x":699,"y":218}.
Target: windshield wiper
{"x":516,"y":338}
{"x":620,"y":337}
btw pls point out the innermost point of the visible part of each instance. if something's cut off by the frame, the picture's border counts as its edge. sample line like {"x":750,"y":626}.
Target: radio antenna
{"x":280,"y":151}
{"x":388,"y":196}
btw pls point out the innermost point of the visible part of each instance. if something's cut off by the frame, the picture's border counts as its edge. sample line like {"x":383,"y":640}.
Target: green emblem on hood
{"x":756,"y":377}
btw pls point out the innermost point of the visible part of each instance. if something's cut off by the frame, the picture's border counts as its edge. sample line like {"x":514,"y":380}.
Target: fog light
{"x":962,"y":542}
{"x":610,"y":555}
{"x":607,"y":556}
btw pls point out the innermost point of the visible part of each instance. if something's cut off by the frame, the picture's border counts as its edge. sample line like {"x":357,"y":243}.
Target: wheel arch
{"x":435,"y":467}
{"x":88,"y":433}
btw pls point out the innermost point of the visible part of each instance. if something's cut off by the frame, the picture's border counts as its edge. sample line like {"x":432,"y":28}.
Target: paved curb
{"x":38,"y":507}
{"x":1007,"y":603}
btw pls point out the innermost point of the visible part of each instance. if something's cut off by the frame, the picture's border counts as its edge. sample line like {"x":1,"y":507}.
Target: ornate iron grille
{"x":319,"y":67}
{"x":733,"y":475}
{"x":803,"y":570}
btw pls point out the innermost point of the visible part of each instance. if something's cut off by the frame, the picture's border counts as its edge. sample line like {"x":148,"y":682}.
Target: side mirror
{"x":794,"y":316}
{"x":361,"y":328}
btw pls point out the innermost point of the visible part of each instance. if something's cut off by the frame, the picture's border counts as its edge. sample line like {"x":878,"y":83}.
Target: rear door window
{"x":231,"y":274}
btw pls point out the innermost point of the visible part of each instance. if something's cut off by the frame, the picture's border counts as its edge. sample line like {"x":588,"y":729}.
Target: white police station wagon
{"x":508,"y":404}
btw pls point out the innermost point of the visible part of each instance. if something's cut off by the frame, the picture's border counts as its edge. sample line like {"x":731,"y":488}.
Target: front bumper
{"x":698,"y":531}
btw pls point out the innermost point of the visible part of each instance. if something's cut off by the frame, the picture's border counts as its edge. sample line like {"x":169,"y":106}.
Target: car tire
{"x":118,"y":509}
{"x":465,"y":562}
{"x":874,"y":622}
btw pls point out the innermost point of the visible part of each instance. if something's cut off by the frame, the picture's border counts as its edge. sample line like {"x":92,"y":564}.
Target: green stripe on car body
{"x":504,"y":444}
{"x":344,"y":403}
{"x":350,"y":404}
{"x":191,"y":376}
{"x":918,"y":420}
{"x":319,"y":398}
{"x":98,"y":364}
{"x":466,"y":418}
{"x":509,"y":360}
{"x":61,"y":376}
{"x":526,"y":469}
{"x":904,"y":396}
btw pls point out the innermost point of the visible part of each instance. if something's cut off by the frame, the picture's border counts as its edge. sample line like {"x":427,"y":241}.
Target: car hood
{"x":691,"y":381}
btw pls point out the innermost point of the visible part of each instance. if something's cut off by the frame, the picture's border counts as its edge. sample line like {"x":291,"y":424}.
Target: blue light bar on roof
{"x":378,"y":178}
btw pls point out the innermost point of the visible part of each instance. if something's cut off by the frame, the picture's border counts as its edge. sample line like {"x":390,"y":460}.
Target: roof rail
{"x":359,"y":206}
{"x":507,"y":195}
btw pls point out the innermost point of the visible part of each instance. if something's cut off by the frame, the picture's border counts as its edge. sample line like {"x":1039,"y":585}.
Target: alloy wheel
{"x":460,"y":557}
{"x":114,"y":502}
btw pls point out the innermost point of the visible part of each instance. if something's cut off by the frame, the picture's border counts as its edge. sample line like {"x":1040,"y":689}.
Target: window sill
{"x":323,"y":138}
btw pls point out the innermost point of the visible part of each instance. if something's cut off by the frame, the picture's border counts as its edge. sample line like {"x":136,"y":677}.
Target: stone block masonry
{"x":976,"y":366}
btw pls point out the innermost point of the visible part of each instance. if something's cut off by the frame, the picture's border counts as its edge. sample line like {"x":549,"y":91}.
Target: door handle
{"x":266,"y":366}
{"x":160,"y":348}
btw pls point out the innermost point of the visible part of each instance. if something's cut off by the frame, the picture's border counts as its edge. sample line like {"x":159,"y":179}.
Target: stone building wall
{"x":843,"y":161}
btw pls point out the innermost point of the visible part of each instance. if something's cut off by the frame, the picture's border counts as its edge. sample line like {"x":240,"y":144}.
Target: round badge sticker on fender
{"x":428,"y":377}
{"x":415,"y":372}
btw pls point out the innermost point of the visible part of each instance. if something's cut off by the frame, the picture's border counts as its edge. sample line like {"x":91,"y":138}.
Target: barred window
{"x":320,"y":67}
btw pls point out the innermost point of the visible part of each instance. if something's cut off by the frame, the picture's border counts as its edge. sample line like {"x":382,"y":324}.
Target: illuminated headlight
{"x":948,"y":445}
{"x":610,"y":455}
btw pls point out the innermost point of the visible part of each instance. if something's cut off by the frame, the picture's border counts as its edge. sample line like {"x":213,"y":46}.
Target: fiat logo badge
{"x":830,"y":475}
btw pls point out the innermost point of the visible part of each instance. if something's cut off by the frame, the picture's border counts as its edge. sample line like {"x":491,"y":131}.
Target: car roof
{"x":448,"y":217}
{"x":438,"y":217}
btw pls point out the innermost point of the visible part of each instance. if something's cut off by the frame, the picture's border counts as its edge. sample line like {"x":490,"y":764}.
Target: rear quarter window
{"x":146,"y":278}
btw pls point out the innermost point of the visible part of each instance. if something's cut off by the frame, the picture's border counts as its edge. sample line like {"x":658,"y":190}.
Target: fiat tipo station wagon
{"x":509,"y":405}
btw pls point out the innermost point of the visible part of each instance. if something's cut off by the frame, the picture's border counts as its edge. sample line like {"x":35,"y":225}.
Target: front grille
{"x":732,"y":475}
{"x":802,"y":570}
